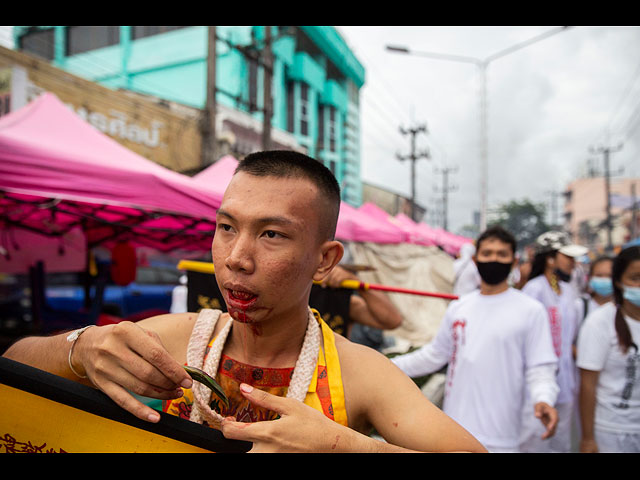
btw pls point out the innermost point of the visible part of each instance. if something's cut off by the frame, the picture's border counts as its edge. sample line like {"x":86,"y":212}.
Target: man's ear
{"x":331,"y":254}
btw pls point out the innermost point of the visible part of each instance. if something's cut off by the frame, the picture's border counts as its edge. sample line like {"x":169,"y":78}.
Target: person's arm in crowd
{"x":368,"y":307}
{"x":587,"y":402}
{"x":428,"y":358}
{"x":541,"y":383}
{"x":422,"y":361}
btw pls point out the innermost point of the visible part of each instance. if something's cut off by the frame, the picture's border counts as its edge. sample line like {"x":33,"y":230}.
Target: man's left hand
{"x":300,"y":428}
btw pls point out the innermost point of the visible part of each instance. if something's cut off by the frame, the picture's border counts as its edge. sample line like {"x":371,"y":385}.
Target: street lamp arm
{"x":437,"y":56}
{"x":526,"y":43}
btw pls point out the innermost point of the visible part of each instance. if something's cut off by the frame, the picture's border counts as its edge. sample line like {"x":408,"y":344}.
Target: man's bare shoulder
{"x":352,"y":355}
{"x":363,"y":367}
{"x":170,"y":322}
{"x":377,"y":393}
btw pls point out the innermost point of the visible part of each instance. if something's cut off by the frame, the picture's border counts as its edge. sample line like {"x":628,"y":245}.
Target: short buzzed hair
{"x":498,"y":232}
{"x":291,"y":164}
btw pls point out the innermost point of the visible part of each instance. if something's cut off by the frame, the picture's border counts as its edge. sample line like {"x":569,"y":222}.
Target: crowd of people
{"x":534,"y":362}
{"x":554,"y":375}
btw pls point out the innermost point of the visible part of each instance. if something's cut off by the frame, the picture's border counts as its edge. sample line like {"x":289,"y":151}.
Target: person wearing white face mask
{"x":599,"y":289}
{"x":609,"y":363}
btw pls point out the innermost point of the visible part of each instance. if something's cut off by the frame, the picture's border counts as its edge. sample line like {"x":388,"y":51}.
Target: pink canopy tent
{"x":413,"y":234}
{"x":450,"y":241}
{"x":421,"y":233}
{"x":58,"y":173}
{"x":357,"y":226}
{"x":216,"y":177}
{"x":418,"y":232}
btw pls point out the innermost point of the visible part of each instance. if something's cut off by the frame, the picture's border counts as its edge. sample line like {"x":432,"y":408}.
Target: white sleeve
{"x":430,"y":357}
{"x":420,"y":362}
{"x":593,"y":342}
{"x":542,"y":384}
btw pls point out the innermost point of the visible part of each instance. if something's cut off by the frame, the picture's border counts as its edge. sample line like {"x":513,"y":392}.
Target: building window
{"x":321,"y":126}
{"x":332,"y":129}
{"x":304,"y":109}
{"x":148,"y":31}
{"x":38,"y":42}
{"x":290,"y":106}
{"x":333,"y":168}
{"x":83,"y":39}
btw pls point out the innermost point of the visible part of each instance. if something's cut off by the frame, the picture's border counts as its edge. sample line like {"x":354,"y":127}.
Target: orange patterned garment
{"x":325,"y":391}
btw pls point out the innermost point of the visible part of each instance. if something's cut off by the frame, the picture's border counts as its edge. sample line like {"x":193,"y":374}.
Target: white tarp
{"x":413,"y":267}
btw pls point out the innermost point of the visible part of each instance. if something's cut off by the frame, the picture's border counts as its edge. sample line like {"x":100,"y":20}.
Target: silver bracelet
{"x":73,"y":337}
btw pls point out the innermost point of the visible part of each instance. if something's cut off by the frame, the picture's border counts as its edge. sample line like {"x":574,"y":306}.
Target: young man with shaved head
{"x":292,"y":384}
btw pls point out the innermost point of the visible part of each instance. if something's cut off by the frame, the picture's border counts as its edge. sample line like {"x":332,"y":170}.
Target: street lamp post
{"x":482,"y":66}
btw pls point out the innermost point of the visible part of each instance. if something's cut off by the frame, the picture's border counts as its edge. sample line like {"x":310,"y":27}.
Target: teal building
{"x":315,"y":78}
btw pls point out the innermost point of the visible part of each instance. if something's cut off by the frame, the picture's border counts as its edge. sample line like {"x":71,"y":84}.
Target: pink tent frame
{"x":58,"y":172}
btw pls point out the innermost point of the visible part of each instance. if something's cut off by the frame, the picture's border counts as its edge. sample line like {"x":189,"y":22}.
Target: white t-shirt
{"x":564,"y":319}
{"x":598,"y":350}
{"x":488,"y":341}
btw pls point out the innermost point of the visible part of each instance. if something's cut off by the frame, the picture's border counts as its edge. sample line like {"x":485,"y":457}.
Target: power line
{"x":624,"y":96}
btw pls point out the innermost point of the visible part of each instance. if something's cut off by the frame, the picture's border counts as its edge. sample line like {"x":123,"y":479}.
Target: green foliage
{"x":524,"y":219}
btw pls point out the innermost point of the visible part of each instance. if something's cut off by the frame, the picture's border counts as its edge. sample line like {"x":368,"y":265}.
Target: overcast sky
{"x":548,"y":103}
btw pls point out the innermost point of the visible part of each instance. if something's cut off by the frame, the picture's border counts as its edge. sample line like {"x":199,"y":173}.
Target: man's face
{"x":494,"y":250}
{"x":565,"y":263}
{"x":266,"y":248}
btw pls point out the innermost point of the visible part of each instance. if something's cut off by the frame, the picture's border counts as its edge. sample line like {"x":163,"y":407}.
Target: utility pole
{"x":482,"y":65}
{"x":446,"y":188}
{"x":554,"y":207}
{"x":267,"y":53}
{"x":435,"y":213}
{"x":262,"y":55}
{"x":414,"y":156}
{"x":606,"y":152}
{"x":208,"y":147}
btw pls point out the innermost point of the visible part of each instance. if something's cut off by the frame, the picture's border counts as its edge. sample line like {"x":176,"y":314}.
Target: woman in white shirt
{"x":608,"y":359}
{"x":599,"y":289}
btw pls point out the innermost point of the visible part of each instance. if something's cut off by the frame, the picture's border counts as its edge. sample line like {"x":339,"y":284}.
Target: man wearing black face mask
{"x":549,"y":284}
{"x":497,"y":344}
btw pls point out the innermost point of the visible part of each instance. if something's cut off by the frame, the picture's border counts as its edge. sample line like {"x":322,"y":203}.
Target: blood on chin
{"x":240,"y":315}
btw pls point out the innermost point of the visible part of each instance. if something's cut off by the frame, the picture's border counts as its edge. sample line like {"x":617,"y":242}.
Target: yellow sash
{"x":328,"y":356}
{"x":325,"y":394}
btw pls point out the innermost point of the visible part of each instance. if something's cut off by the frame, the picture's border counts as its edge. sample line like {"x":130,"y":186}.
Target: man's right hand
{"x":123,"y":358}
{"x":549,"y":418}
